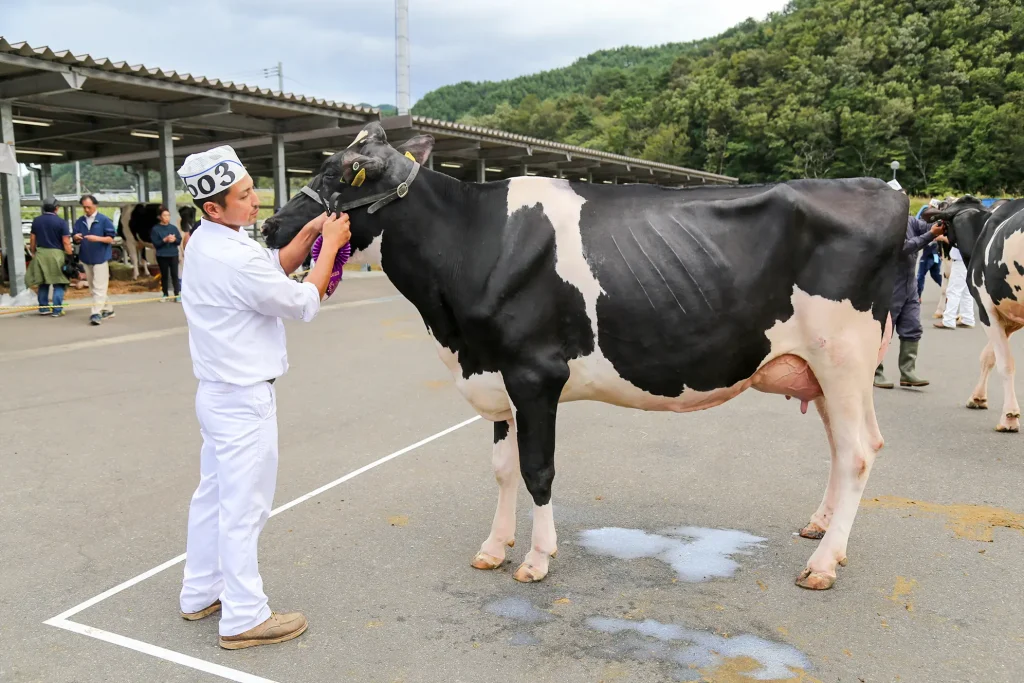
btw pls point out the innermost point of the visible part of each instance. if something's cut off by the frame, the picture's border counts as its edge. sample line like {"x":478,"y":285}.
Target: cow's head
{"x":963,"y":219}
{"x":370,"y":166}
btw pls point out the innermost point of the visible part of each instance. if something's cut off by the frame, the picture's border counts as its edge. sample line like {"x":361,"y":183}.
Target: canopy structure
{"x":57,"y":107}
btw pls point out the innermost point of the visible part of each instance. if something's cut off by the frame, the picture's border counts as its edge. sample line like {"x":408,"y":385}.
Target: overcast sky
{"x":344,"y":50}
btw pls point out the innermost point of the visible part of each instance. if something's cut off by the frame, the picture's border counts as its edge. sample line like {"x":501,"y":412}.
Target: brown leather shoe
{"x":205,"y":612}
{"x":277,"y":629}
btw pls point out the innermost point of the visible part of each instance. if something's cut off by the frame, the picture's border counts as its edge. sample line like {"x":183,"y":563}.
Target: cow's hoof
{"x":485,"y":561}
{"x":815,"y":581}
{"x":527,"y":573}
{"x":978,"y":404}
{"x":511,"y":543}
{"x":813,"y":531}
{"x":1008,"y":429}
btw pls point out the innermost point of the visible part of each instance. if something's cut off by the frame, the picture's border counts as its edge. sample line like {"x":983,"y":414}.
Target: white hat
{"x":894,"y":185}
{"x":215,"y":170}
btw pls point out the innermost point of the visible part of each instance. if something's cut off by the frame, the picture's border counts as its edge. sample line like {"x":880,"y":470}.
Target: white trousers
{"x":238,"y":474}
{"x":98,"y":277}
{"x":958,"y":297}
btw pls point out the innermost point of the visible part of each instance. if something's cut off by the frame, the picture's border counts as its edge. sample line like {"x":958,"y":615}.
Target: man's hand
{"x":943,"y":239}
{"x":938,"y":228}
{"x":336,"y":232}
{"x":78,"y":237}
{"x":317,"y":224}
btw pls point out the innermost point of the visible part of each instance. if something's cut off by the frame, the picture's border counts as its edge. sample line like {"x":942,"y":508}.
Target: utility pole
{"x":276,"y":71}
{"x":402,"y":88}
{"x":78,"y":179}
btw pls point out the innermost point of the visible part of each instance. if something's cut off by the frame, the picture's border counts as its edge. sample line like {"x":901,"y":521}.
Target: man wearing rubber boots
{"x":905,"y":308}
{"x":235,"y":294}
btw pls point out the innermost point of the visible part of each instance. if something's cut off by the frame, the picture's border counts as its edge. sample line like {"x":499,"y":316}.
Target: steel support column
{"x":13,"y":240}
{"x":280,"y":175}
{"x":481,"y":171}
{"x":45,"y":181}
{"x":142,"y":184}
{"x":168,"y":188}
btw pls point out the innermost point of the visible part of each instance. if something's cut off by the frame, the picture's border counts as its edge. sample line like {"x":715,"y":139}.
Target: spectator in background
{"x":166,"y":241}
{"x":905,"y":308}
{"x":931,"y":260}
{"x":95,"y":233}
{"x":49,"y":243}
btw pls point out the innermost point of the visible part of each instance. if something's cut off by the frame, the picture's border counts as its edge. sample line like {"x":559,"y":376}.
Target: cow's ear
{"x":418,"y":148}
{"x":359,"y":169}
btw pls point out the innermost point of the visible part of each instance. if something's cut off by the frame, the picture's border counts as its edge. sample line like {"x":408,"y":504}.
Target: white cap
{"x":894,"y":185}
{"x":215,"y":170}
{"x":935,"y":203}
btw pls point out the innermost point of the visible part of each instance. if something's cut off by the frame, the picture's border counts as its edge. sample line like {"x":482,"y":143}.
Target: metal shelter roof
{"x":78,"y":107}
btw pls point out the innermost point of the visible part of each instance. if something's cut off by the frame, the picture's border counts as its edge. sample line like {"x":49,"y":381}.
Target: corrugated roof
{"x":422,"y":121}
{"x":102,"y":63}
{"x":86,"y":61}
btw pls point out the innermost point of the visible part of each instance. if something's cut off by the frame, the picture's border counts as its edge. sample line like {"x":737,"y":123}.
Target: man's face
{"x":88,"y":207}
{"x":241,"y":205}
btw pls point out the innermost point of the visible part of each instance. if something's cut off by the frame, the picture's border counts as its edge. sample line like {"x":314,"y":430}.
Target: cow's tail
{"x":886,"y":338}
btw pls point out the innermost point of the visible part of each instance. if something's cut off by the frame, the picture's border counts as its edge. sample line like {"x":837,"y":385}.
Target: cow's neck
{"x":428,"y":245}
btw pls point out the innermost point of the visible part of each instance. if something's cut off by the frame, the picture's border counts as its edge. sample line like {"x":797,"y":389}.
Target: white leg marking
{"x":505,"y":459}
{"x":544,"y":544}
{"x":979,"y":397}
{"x":1009,"y":421}
{"x":823,"y":515}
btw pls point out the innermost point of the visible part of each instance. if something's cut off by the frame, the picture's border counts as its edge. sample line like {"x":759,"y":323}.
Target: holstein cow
{"x":992,"y":245}
{"x":540,"y":290}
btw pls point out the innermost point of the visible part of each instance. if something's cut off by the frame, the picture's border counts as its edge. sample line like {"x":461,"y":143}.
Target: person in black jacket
{"x":166,"y":240}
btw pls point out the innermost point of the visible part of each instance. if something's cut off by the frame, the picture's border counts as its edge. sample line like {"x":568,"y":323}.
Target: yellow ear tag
{"x":360,"y":177}
{"x":409,"y":156}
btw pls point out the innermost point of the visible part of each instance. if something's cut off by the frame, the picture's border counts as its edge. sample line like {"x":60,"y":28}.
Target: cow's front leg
{"x":505,"y":459}
{"x":534,"y":393}
{"x":999,"y":335}
{"x":979,"y":397}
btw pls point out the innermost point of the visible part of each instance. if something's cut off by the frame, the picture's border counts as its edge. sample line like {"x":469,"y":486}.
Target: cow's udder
{"x":791,"y":376}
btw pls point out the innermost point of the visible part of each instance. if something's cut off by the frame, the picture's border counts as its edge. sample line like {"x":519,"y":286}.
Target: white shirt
{"x":235,"y":293}
{"x":89,"y":220}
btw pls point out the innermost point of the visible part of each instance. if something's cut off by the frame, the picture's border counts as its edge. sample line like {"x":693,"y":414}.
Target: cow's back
{"x":690,"y":282}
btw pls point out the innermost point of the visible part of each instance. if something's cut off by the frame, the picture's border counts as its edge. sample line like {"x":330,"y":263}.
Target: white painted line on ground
{"x":159,"y":652}
{"x":61,"y":620}
{"x":156,"y":334}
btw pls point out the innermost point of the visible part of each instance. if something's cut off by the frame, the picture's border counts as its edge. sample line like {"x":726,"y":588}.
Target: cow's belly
{"x":594,"y":378}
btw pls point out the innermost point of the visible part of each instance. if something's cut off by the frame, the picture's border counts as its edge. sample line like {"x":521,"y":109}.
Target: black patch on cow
{"x":142,"y":220}
{"x":485,"y":282}
{"x":692,"y":284}
{"x":992,"y":272}
{"x":500,"y":431}
{"x":1019,"y":267}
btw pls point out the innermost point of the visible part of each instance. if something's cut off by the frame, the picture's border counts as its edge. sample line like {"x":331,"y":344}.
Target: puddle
{"x":523,"y":639}
{"x":518,"y":609}
{"x":695,"y":553}
{"x":694,"y":651}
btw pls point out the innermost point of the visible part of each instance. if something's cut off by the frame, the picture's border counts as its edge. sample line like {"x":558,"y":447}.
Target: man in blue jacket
{"x":95,"y":233}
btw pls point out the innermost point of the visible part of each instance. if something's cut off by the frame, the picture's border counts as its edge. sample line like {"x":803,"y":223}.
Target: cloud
{"x":344,"y":50}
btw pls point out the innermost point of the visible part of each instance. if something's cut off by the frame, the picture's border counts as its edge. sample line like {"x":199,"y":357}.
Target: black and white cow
{"x":992,"y":245}
{"x":538,"y":291}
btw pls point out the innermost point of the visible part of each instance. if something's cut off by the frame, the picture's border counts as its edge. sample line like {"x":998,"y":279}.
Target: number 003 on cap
{"x":215,"y":170}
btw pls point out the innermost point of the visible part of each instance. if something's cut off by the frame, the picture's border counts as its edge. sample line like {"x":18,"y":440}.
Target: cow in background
{"x":539,"y":291}
{"x":992,"y":245}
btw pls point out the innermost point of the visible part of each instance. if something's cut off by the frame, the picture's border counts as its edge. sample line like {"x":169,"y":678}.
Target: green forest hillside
{"x":826,"y":88}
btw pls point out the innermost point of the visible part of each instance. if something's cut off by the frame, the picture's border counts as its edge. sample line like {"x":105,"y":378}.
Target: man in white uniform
{"x":235,"y":293}
{"x":958,"y":298}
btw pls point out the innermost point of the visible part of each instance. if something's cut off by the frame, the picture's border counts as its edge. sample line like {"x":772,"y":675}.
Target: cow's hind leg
{"x":999,"y":335}
{"x":534,"y":393}
{"x":979,"y":397}
{"x":846,"y":385}
{"x":818,"y":525}
{"x":505,"y":459}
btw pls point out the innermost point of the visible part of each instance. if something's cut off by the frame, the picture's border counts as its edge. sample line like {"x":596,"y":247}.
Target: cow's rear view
{"x":539,"y":291}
